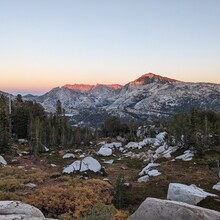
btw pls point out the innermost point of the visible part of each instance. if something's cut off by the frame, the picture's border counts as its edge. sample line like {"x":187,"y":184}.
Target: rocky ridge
{"x":143,"y":99}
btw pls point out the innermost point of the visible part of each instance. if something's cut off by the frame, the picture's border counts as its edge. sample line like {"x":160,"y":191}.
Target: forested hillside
{"x":27,"y":120}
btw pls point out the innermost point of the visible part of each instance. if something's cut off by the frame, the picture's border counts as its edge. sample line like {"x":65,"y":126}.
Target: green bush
{"x":10,"y":185}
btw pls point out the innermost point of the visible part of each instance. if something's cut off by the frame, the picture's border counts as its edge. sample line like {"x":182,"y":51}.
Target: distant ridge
{"x":81,"y":87}
{"x":146,"y":98}
{"x":86,"y":87}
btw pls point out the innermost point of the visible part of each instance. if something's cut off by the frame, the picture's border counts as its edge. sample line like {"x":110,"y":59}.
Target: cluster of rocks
{"x":154,"y":148}
{"x":147,"y":172}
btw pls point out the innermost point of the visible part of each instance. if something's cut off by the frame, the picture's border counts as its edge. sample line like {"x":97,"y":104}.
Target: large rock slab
{"x":16,"y":207}
{"x":188,"y":194}
{"x":157,"y":209}
{"x":88,"y":163}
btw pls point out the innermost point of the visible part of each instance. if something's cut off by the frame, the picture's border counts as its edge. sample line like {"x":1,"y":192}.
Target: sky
{"x":50,"y":43}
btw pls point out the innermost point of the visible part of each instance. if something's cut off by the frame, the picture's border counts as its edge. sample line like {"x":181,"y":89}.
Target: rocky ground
{"x":145,"y":168}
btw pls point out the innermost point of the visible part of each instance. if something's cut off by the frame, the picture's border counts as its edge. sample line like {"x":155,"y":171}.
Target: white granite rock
{"x":133,"y":145}
{"x":158,"y":209}
{"x":108,"y":161}
{"x":154,"y":173}
{"x":2,"y":161}
{"x":19,"y":208}
{"x":30,"y":185}
{"x":187,"y":156}
{"x":188,"y":194}
{"x":104,"y":151}
{"x":88,"y":163}
{"x":217,"y":186}
{"x":143,"y":179}
{"x":146,"y":169}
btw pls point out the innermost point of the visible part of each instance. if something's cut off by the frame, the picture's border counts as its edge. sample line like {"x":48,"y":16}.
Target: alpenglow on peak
{"x":145,"y":78}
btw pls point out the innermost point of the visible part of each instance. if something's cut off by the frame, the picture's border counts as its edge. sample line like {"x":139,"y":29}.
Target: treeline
{"x":198,"y":129}
{"x":114,"y":126}
{"x":27,"y":120}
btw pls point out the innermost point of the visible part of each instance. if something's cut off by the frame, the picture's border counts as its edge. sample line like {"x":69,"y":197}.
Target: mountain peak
{"x":151,"y":76}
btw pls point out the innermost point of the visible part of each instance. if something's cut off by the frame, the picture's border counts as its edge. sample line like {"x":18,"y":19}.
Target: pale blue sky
{"x":48,"y":43}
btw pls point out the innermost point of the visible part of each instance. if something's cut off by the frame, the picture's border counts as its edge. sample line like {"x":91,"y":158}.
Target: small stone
{"x":30,"y":185}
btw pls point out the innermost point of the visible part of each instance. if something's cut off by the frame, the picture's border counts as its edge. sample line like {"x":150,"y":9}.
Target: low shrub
{"x":10,"y":184}
{"x":71,"y":201}
{"x":9,"y":196}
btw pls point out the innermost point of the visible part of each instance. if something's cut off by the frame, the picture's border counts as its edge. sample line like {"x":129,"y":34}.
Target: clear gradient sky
{"x":49,"y":43}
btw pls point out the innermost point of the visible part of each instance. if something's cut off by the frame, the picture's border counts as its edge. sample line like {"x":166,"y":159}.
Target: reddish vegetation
{"x":141,"y":80}
{"x":85,"y":87}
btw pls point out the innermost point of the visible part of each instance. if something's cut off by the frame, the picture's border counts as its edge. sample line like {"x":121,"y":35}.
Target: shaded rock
{"x":22,"y":141}
{"x":157,"y":209}
{"x":187,"y":156}
{"x":46,"y":149}
{"x":154,"y":173}
{"x":128,"y":185}
{"x":68,"y":155}
{"x":188,"y":194}
{"x":112,"y":145}
{"x":161,"y":136}
{"x":133,"y":145}
{"x":103,"y":172}
{"x":143,"y":179}
{"x":53,"y":165}
{"x":108,"y":161}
